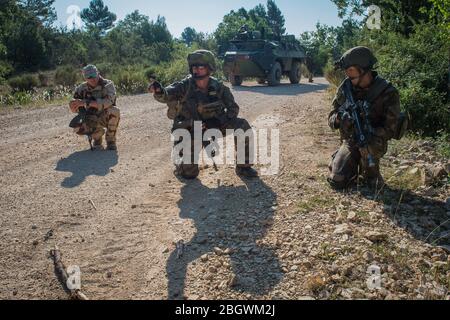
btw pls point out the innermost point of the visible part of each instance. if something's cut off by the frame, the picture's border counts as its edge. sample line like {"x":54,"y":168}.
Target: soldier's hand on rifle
{"x":94,"y":104}
{"x":225,"y":120}
{"x":346,"y":122}
{"x":75,"y":105}
{"x":154,"y":87}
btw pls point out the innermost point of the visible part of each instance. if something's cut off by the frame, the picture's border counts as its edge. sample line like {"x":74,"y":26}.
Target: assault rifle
{"x":80,"y":120}
{"x":358,"y":113}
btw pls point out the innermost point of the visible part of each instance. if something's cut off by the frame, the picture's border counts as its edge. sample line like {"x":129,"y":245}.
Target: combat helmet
{"x":202,"y":57}
{"x":358,"y":56}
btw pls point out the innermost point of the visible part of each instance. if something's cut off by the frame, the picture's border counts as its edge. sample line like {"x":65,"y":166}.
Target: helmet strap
{"x":360,"y":78}
{"x":197,"y":77}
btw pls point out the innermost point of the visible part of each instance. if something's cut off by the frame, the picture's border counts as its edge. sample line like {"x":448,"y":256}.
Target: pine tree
{"x":41,"y":9}
{"x":275,"y":19}
{"x":98,"y":16}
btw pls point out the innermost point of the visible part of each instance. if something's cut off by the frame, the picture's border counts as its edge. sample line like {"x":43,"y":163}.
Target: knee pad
{"x":338,"y":182}
{"x":188,"y":171}
{"x":337,"y":185}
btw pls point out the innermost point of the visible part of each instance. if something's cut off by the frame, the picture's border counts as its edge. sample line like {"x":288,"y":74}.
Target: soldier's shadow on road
{"x":284,"y":89}
{"x":86,"y":163}
{"x":426,"y":219}
{"x":225,"y":217}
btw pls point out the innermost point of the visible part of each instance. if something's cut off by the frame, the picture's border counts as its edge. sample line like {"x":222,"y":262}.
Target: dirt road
{"x":119,"y":216}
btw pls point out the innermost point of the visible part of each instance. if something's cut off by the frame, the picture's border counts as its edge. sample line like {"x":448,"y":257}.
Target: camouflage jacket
{"x":184,"y":98}
{"x":104,"y":93}
{"x":384,"y":110}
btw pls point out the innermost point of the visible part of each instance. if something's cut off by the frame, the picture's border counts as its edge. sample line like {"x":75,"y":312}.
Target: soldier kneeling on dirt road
{"x":200,"y":97}
{"x":380,"y":108}
{"x":95,"y":101}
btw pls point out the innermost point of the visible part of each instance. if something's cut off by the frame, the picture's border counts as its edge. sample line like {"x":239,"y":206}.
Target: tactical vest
{"x":374,"y":97}
{"x":189,"y":106}
{"x":92,"y":94}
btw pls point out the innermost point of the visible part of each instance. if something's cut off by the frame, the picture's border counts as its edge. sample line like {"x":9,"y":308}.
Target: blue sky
{"x":300,"y":15}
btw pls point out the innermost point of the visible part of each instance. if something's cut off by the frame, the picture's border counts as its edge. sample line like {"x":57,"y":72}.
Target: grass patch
{"x":33,"y":99}
{"x":23,"y":83}
{"x":315,"y":202}
{"x":294,"y":175}
{"x":362,"y":214}
{"x":404,"y":180}
{"x":443,"y":145}
{"x":400,"y":259}
{"x":326,"y":253}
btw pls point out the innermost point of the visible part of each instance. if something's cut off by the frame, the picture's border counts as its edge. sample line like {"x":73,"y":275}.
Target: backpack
{"x":402,"y":120}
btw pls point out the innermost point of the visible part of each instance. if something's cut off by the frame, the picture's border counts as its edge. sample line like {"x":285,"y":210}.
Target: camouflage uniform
{"x":384,"y":112}
{"x":384,"y":115}
{"x":185,"y":99}
{"x":108,"y":115}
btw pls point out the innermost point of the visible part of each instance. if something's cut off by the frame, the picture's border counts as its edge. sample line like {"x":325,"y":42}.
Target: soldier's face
{"x":353,"y":74}
{"x":359,"y":77}
{"x":92,"y":82}
{"x":200,"y":70}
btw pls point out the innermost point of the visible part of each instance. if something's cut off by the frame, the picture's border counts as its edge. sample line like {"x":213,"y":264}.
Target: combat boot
{"x":375,"y":182}
{"x":97,"y":144}
{"x":111,"y":146}
{"x":248,"y":172}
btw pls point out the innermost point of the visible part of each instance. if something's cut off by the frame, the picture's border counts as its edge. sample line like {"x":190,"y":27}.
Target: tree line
{"x":412,"y":46}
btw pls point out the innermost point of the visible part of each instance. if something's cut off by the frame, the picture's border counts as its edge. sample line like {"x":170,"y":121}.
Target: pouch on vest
{"x":175,"y":107}
{"x":402,"y":120}
{"x":173,"y":110}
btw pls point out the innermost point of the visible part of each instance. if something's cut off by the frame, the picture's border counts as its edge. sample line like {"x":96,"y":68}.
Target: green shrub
{"x":150,"y":72}
{"x":44,"y":80}
{"x":5,"y":70}
{"x":5,"y":90}
{"x":16,"y":98}
{"x":427,"y":111}
{"x":106,"y":69}
{"x":35,"y":98}
{"x":418,"y":67}
{"x":334,"y":77}
{"x":173,"y":71}
{"x":160,"y":52}
{"x":443,"y":144}
{"x":24,"y":82}
{"x":67,"y":76}
{"x":130,"y":81}
{"x":23,"y":98}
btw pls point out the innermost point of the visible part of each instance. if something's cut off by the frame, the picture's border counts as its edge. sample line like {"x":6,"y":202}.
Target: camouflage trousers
{"x":108,"y":119}
{"x":348,"y":162}
{"x":191,"y":171}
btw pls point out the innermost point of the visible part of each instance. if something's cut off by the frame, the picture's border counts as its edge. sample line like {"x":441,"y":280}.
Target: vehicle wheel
{"x":236,"y":80}
{"x":275,"y":75}
{"x":261,"y":80}
{"x":295,"y":75}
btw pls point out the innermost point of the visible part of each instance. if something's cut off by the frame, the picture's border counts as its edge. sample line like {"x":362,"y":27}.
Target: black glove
{"x":345,"y":120}
{"x":225,"y":119}
{"x":156,"y":86}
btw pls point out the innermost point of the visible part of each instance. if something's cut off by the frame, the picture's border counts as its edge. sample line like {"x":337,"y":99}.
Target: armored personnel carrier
{"x":248,"y":55}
